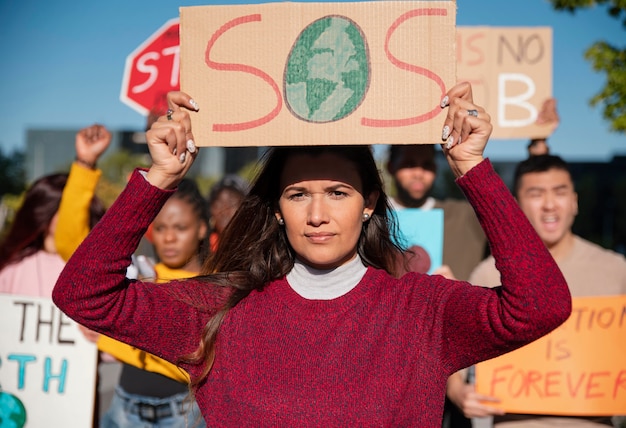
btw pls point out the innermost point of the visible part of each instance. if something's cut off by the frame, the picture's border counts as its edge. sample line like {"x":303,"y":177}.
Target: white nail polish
{"x":182,"y":157}
{"x":191,"y":146}
{"x":445,"y":133}
{"x":450,"y":143}
{"x":174,"y":151}
{"x":194,"y":104}
{"x":444,"y":101}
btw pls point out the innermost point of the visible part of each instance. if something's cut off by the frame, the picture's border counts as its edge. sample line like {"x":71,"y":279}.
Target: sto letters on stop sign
{"x":152,"y":70}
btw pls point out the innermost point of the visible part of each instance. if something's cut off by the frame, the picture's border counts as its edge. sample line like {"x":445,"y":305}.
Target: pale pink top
{"x":34,"y":276}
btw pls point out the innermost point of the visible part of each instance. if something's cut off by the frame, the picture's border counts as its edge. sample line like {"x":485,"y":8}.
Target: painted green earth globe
{"x":12,"y":411}
{"x":327,"y":72}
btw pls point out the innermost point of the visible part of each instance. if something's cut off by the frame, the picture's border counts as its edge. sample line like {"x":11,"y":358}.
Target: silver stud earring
{"x":281,"y":221}
{"x":366,"y":217}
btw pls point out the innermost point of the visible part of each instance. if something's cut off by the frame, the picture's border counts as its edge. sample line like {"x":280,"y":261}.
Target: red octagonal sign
{"x":152,"y":70}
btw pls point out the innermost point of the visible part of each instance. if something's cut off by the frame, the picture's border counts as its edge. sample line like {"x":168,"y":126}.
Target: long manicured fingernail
{"x":445,"y":133}
{"x":444,"y":101}
{"x":191,"y":146}
{"x":182,"y":157}
{"x":195,"y":105}
{"x":450,"y":143}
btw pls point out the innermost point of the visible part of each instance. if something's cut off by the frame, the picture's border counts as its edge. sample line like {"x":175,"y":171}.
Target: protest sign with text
{"x":318,"y":73}
{"x":578,"y":369}
{"x":510,"y":69}
{"x":47,"y":367}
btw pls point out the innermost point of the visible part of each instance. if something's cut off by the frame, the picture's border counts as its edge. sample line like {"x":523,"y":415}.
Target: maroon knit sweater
{"x":377,"y":356}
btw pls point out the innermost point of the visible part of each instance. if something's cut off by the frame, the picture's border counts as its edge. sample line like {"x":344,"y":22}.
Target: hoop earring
{"x":281,"y":221}
{"x":366,"y":217}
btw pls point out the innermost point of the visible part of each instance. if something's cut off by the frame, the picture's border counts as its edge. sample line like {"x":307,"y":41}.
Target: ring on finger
{"x":473,"y":112}
{"x":169,"y":113}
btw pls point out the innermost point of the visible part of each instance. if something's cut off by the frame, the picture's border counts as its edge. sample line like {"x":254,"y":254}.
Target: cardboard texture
{"x":510,"y":69}
{"x":579,"y":369}
{"x":318,"y":73}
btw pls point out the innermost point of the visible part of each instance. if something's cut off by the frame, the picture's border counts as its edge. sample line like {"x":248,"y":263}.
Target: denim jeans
{"x":136,"y":411}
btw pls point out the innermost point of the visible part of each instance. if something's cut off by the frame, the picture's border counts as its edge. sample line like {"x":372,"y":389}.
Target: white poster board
{"x":47,"y":367}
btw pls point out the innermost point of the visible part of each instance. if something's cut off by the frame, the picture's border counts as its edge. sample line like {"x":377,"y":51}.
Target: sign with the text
{"x":47,"y":367}
{"x":578,"y":369}
{"x":510,"y":69}
{"x":318,"y":73}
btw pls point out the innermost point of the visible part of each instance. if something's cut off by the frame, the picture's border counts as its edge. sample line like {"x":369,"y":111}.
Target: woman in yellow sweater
{"x":151,"y":392}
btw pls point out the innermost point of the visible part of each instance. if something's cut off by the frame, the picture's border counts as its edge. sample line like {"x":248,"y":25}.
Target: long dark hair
{"x":254,"y":249}
{"x":32,"y":220}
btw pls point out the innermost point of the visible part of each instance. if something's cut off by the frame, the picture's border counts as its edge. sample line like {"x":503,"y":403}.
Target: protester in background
{"x":297,"y":319}
{"x":29,"y":256}
{"x":414,"y":171}
{"x":545,"y":191}
{"x":157,"y":387}
{"x":73,"y":217}
{"x":29,"y":263}
{"x":224,"y":200}
{"x":151,"y":391}
{"x":73,"y":227}
{"x":90,"y":143}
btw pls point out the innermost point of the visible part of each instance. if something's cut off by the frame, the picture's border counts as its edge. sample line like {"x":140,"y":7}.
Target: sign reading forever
{"x":578,"y":369}
{"x":318,"y":73}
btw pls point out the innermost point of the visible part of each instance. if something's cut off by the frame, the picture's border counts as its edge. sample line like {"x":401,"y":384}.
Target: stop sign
{"x":152,"y":70}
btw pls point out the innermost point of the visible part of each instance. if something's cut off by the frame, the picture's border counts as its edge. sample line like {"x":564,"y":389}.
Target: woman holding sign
{"x":298,"y":319}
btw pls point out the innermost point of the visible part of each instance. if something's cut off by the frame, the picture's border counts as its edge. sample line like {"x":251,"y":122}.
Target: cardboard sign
{"x":578,"y":369}
{"x":423,"y":228}
{"x":47,"y":367}
{"x":510,"y":70}
{"x":318,"y":73}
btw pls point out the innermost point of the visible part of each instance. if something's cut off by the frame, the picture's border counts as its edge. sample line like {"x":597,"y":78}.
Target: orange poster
{"x":510,"y":69}
{"x":318,"y":73}
{"x":578,"y":369}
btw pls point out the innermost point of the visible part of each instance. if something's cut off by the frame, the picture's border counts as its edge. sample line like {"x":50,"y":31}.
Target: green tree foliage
{"x":12,"y":174}
{"x":607,"y":58}
{"x":116,"y":169}
{"x":12,"y":186}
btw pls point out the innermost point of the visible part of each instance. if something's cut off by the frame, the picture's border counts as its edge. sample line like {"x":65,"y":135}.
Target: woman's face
{"x":322,"y":206}
{"x":224,"y":207}
{"x":176,"y":233}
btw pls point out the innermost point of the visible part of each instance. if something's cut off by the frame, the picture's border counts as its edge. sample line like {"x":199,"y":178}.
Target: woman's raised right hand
{"x":171,"y":142}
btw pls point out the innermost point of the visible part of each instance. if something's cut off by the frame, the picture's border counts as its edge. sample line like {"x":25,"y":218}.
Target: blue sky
{"x":62,"y":66}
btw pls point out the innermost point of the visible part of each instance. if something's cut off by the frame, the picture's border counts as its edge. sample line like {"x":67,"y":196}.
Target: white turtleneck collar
{"x":315,"y":284}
